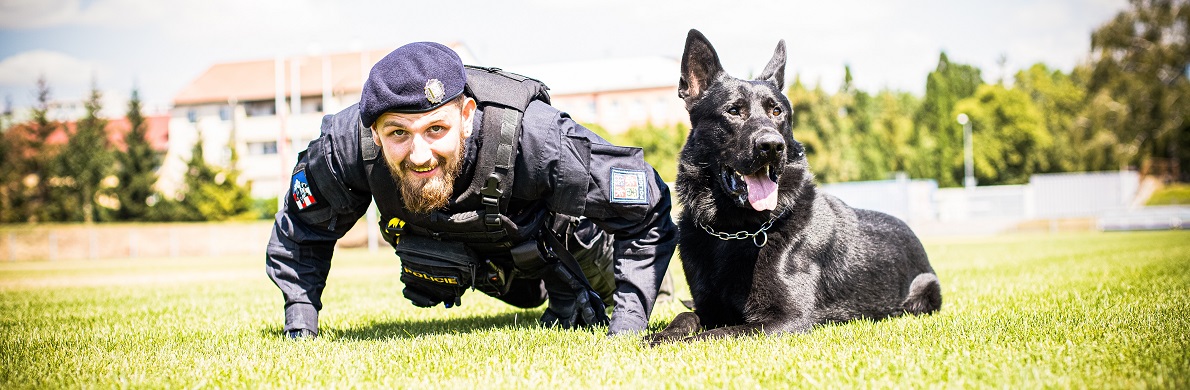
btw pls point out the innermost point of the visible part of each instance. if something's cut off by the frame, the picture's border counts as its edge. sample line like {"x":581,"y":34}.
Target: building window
{"x":262,"y":148}
{"x":311,"y":105}
{"x":224,"y":113}
{"x":260,"y":108}
{"x":192,"y":115}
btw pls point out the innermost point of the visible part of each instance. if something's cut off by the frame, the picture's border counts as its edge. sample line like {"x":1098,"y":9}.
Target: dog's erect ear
{"x":775,"y":70}
{"x":700,"y":65}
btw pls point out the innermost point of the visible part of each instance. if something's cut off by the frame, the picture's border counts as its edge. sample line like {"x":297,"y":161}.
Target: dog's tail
{"x":925,"y":295}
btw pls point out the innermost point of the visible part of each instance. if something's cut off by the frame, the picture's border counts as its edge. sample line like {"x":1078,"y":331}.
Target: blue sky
{"x":160,"y":46}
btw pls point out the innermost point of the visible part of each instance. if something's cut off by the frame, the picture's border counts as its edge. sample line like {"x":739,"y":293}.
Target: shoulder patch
{"x":629,"y":186}
{"x":302,"y":196}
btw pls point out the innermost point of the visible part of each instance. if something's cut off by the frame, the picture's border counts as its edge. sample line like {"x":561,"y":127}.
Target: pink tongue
{"x":762,"y":192}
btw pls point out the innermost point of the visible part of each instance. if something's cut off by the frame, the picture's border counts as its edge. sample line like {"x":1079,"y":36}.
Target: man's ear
{"x":468,"y":116}
{"x":700,"y":66}
{"x":375,"y":136}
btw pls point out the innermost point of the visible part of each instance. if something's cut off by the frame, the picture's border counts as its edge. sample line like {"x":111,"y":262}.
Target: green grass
{"x":1173,"y":194}
{"x":1089,"y":310}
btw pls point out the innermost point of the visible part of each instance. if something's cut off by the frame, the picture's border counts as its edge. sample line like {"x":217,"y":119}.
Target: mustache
{"x":433,"y":163}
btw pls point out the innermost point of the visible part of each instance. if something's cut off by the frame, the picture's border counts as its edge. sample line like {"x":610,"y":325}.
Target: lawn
{"x":1100,"y":310}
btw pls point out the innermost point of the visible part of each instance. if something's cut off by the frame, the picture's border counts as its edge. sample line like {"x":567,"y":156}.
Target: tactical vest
{"x":485,"y":224}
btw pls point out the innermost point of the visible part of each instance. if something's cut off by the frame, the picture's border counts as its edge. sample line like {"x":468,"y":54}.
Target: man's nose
{"x":420,"y":153}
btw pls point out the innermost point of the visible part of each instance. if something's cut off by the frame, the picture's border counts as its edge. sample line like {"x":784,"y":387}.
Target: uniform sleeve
{"x":325,"y":199}
{"x":615,"y":188}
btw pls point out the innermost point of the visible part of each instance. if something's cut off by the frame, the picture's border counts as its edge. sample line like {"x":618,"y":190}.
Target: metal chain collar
{"x":759,"y":238}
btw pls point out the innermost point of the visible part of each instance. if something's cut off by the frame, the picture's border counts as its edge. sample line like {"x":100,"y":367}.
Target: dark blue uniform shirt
{"x":560,"y":163}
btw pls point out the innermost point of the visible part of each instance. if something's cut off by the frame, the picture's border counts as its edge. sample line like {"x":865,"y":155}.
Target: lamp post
{"x":968,"y":158}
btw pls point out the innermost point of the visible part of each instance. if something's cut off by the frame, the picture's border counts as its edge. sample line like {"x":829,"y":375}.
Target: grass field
{"x":1088,"y":310}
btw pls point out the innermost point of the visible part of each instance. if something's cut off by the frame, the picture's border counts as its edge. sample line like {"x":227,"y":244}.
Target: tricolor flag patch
{"x":302,"y":196}
{"x":629,"y":186}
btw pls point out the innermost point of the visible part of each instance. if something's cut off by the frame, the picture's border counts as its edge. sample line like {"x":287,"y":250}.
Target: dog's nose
{"x":770,"y":145}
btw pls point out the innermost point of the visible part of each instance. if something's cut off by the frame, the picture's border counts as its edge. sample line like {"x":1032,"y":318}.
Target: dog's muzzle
{"x":754,"y":183}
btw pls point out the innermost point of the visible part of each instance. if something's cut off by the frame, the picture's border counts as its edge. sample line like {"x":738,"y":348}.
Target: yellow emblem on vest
{"x":395,"y":227}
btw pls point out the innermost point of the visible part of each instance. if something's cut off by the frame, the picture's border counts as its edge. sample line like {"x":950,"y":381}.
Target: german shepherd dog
{"x":764,"y":252}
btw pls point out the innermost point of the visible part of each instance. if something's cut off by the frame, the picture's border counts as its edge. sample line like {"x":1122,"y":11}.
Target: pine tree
{"x":212,"y":193}
{"x":87,"y":158}
{"x":939,"y":134}
{"x":37,"y":157}
{"x":10,"y":178}
{"x":137,"y":165}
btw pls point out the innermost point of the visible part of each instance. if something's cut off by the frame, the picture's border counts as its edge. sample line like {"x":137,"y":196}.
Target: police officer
{"x":480,"y":184}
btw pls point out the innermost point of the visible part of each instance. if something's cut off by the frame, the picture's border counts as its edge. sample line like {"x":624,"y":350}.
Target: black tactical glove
{"x":429,"y":295}
{"x":570,"y":303}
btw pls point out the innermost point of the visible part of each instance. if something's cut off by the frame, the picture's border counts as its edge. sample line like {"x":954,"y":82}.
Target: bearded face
{"x":424,"y":151}
{"x":423,"y":193}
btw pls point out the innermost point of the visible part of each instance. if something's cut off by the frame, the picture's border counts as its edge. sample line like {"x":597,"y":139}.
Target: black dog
{"x":763,"y":251}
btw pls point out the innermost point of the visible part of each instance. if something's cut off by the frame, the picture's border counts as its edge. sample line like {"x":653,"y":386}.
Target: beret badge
{"x":434,"y":91}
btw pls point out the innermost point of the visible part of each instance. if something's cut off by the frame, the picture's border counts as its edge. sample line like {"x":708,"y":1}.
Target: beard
{"x":423,"y":195}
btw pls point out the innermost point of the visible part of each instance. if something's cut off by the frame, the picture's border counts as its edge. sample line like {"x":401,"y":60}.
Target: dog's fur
{"x":821,"y":260}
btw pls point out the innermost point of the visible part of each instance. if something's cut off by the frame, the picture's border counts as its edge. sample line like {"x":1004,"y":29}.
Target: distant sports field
{"x":1099,"y":310}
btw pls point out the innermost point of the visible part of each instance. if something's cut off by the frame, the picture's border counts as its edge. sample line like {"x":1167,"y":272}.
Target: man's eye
{"x":437,"y":129}
{"x":399,"y":133}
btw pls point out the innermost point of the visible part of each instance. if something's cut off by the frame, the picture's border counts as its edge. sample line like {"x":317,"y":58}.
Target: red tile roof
{"x":157,"y":132}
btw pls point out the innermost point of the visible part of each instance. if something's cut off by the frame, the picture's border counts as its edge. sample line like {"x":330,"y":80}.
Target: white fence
{"x":1047,"y":196}
{"x":65,"y":242}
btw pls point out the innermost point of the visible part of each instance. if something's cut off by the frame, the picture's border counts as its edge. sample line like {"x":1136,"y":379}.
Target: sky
{"x":159,"y":46}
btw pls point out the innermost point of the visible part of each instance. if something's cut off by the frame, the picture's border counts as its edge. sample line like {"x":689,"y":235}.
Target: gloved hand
{"x":425,"y":295}
{"x":570,"y":303}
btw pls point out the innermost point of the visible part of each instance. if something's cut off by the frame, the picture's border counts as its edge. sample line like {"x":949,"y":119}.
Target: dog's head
{"x":740,"y":152}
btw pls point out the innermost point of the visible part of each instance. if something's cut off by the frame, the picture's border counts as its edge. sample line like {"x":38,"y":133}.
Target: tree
{"x":35,"y":157}
{"x":10,"y":178}
{"x":211,"y":193}
{"x":815,"y":125}
{"x":1009,"y":135}
{"x":1062,"y":99}
{"x":137,"y":166}
{"x":1140,"y":60}
{"x":892,"y":128}
{"x":939,"y":136}
{"x":87,"y":159}
{"x":661,"y":146}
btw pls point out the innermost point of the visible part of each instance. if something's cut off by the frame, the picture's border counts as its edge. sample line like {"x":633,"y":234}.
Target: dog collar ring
{"x":759,"y":238}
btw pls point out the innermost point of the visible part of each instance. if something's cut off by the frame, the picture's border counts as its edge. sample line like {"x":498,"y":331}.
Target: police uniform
{"x":559,"y":169}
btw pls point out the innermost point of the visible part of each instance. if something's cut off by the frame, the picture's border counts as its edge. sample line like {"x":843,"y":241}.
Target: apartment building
{"x":266,"y":111}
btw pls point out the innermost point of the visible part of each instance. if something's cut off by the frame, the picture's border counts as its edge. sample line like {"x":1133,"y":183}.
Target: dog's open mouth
{"x":758,"y":190}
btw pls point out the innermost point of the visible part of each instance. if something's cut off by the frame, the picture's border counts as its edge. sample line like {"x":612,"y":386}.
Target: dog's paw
{"x":661,"y":338}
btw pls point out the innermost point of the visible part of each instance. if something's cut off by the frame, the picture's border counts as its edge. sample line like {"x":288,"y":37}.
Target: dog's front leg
{"x":680,"y":328}
{"x":755,"y":328}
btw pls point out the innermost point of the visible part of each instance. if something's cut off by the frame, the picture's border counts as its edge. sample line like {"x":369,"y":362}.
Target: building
{"x":616,"y":94}
{"x":267,"y":111}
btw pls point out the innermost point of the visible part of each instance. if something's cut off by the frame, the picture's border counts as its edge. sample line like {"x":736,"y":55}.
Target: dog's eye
{"x":776,"y":111}
{"x":733,"y":111}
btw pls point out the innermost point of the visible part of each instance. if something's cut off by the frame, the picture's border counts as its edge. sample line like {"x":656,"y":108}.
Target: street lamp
{"x":968,"y":163}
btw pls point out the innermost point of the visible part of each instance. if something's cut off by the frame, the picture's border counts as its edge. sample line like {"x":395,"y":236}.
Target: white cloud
{"x":61,"y":70}
{"x":37,"y":13}
{"x":30,"y":14}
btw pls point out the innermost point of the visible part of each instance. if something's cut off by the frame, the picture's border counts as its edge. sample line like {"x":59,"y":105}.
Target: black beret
{"x":417,"y":77}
